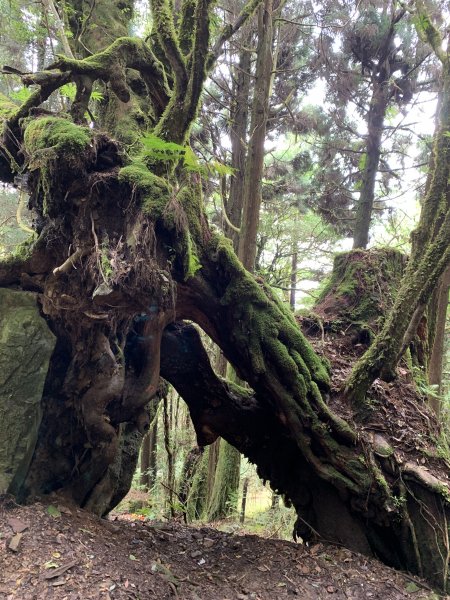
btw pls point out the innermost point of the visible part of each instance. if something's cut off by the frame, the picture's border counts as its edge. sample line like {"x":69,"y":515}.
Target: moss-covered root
{"x":57,"y":152}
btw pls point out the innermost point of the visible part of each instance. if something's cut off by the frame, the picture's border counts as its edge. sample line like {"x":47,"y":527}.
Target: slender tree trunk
{"x":437,"y":351}
{"x":145,"y":462}
{"x":255,"y":156}
{"x":238,"y":137}
{"x":375,"y":120}
{"x":213,"y":457}
{"x":293,"y":277}
{"x":244,"y":500}
{"x":224,"y":462}
{"x":226,"y":480}
{"x":148,"y":457}
{"x":170,"y":479}
{"x":429,"y":259}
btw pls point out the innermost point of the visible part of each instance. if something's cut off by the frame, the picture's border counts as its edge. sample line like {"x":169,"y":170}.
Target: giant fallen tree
{"x":123,"y":256}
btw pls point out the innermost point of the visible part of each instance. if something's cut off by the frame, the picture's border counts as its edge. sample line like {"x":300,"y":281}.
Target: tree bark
{"x":238,"y":137}
{"x":255,"y":154}
{"x":375,"y":122}
{"x":437,"y":351}
{"x":148,"y":457}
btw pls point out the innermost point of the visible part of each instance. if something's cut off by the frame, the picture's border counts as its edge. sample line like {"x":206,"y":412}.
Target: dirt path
{"x":70,"y":555}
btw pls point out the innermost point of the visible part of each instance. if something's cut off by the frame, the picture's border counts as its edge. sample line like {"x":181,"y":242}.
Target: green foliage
{"x":362,"y":162}
{"x":193,"y":263}
{"x":21,"y":95}
{"x":7,"y":108}
{"x":68,"y":91}
{"x":421,"y":22}
{"x":156,"y":149}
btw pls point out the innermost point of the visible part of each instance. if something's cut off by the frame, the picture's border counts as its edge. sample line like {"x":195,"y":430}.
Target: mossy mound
{"x":59,"y":135}
{"x":58,"y":152}
{"x":154,"y":191}
{"x":361,"y":288}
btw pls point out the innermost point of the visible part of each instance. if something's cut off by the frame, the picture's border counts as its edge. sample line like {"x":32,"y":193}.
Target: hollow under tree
{"x":123,"y":253}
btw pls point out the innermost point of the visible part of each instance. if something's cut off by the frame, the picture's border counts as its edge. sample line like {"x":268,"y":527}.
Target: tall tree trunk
{"x":437,"y":351}
{"x":375,"y":120}
{"x":145,"y":462}
{"x":226,"y":482}
{"x":238,"y":136}
{"x":168,"y":444}
{"x":244,"y":500}
{"x":224,"y":463}
{"x":255,"y":154}
{"x":429,"y":259}
{"x":149,"y":456}
{"x":293,"y":277}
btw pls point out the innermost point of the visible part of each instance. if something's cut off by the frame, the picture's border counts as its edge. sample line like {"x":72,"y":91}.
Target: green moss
{"x":7,"y":108}
{"x":59,"y":135}
{"x":155,"y":192}
{"x":192,"y":263}
{"x":57,"y":148}
{"x":191,"y":200}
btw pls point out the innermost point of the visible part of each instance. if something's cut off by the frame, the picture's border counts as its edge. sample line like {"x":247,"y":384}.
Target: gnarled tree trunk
{"x":123,"y":253}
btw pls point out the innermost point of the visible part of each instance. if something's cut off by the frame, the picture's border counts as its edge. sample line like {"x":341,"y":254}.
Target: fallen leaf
{"x":304,"y":569}
{"x":53,"y":511}
{"x":412,"y":587}
{"x":17,"y":525}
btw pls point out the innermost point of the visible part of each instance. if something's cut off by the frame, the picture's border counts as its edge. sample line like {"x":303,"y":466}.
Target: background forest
{"x":313,"y":140}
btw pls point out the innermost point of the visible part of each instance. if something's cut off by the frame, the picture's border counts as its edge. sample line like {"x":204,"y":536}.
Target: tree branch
{"x":165,"y":30}
{"x":108,"y":65}
{"x":229,"y":30}
{"x":428,"y":32}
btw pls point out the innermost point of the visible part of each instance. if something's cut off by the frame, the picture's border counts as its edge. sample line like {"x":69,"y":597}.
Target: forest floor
{"x":53,"y":551}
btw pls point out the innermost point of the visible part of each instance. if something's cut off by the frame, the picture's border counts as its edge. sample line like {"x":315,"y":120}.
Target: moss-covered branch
{"x":108,"y":65}
{"x":165,"y":30}
{"x":428,"y":32}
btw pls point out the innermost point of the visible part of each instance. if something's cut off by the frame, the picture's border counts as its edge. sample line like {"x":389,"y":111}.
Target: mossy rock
{"x":26,"y":345}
